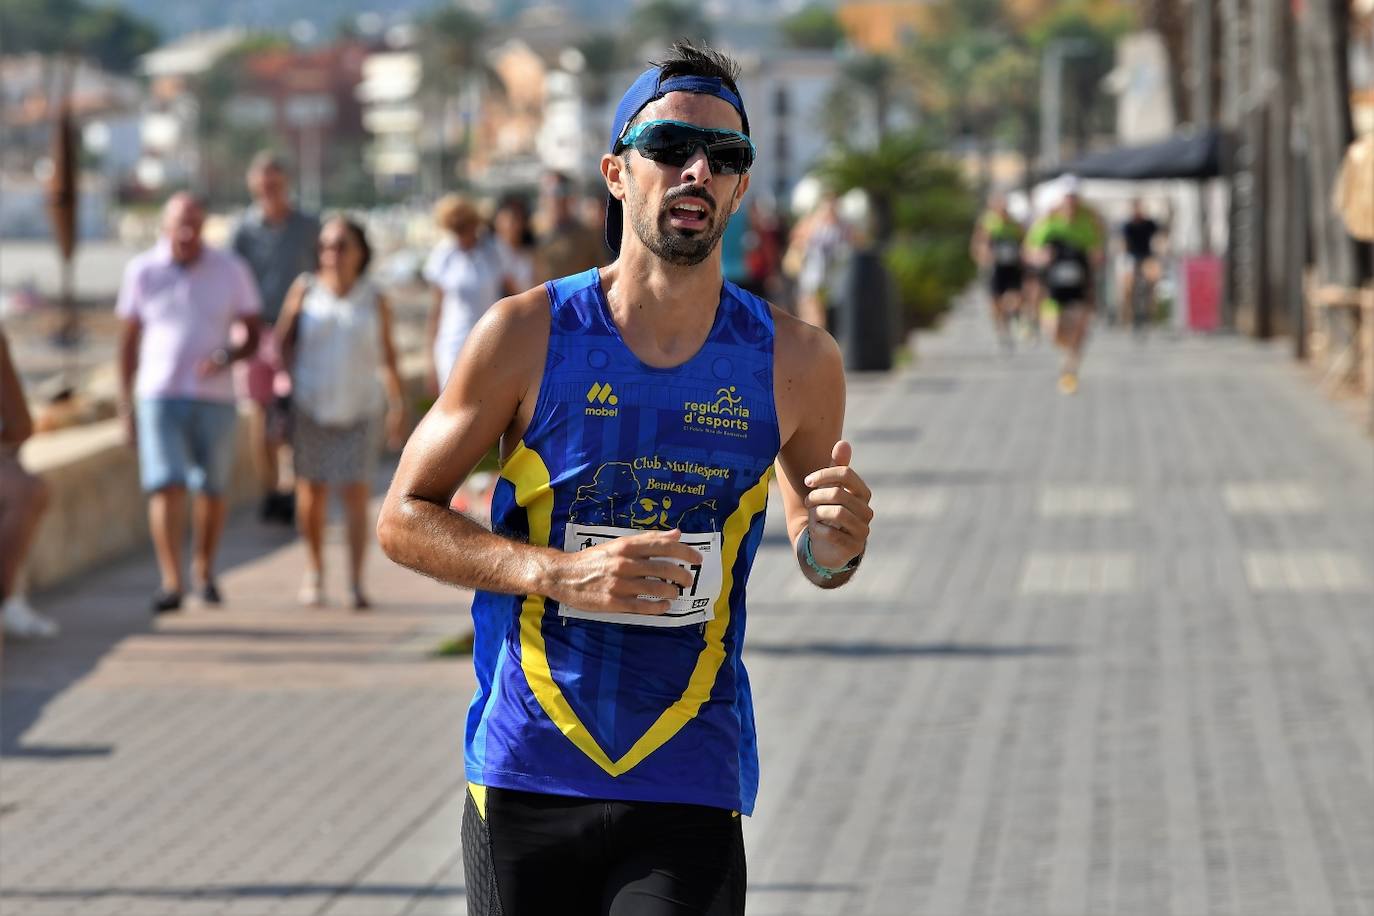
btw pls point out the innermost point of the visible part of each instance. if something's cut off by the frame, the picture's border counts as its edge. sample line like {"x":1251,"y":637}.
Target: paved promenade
{"x":1109,"y":654}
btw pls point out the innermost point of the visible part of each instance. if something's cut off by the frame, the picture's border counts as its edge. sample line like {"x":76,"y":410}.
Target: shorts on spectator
{"x":189,"y":443}
{"x":260,"y":377}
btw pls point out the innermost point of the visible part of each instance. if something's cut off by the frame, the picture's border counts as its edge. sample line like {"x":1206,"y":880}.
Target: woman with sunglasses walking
{"x":335,"y":338}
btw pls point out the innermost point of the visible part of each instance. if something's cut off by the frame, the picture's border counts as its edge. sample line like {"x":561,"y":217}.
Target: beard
{"x":685,"y":248}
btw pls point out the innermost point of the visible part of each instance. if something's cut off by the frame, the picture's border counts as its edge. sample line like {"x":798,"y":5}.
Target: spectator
{"x":515,"y":242}
{"x":180,"y":303}
{"x":467,"y":275}
{"x":763,"y":251}
{"x":593,"y":215}
{"x":23,"y":497}
{"x":819,"y":244}
{"x":568,"y":245}
{"x":335,"y":337}
{"x":278,"y":242}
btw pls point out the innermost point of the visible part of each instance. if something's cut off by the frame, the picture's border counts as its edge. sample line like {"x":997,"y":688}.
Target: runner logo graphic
{"x":724,"y":413}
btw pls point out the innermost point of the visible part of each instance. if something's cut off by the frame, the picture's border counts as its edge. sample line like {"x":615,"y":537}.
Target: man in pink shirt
{"x":180,"y":302}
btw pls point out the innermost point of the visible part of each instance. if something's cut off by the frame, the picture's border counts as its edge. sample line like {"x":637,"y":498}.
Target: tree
{"x":454,"y":65}
{"x":1170,"y":18}
{"x":874,"y":77}
{"x":1094,"y":33}
{"x":602,"y":56}
{"x":225,"y":144}
{"x":663,"y":22}
{"x":814,"y":27}
{"x":108,"y":36}
{"x":923,"y":213}
{"x":112,"y":38}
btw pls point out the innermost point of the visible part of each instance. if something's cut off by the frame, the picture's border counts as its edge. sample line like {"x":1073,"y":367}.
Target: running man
{"x":1066,"y":246}
{"x":996,"y":247}
{"x":641,"y":410}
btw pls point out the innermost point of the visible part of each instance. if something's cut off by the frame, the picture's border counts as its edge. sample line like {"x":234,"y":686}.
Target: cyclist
{"x":1137,"y":287}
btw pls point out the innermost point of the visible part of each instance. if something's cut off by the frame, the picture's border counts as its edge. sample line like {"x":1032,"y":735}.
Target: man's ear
{"x":739,"y":193}
{"x":613,"y":169}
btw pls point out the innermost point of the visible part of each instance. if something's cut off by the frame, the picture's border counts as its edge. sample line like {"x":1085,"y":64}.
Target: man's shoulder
{"x":514,"y":331}
{"x":305,"y":220}
{"x":145,"y":261}
{"x":801,"y":343}
{"x":227,"y":260}
{"x":250,"y":219}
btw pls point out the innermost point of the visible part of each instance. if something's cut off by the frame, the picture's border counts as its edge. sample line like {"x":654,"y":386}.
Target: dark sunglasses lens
{"x":668,"y":145}
{"x":734,"y":160}
{"x":674,"y":144}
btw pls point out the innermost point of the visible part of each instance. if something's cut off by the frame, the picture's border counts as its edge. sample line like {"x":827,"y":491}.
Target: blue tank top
{"x":590,"y":706}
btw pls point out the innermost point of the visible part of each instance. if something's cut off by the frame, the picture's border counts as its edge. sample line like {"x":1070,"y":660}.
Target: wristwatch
{"x":220,"y":357}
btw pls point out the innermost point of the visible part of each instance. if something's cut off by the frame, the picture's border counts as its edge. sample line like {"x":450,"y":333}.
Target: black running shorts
{"x":534,"y":854}
{"x":1006,"y":280}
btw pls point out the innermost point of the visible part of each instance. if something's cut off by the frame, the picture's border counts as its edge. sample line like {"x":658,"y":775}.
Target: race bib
{"x":1006,"y":253}
{"x":1066,"y":273}
{"x":693,"y":606}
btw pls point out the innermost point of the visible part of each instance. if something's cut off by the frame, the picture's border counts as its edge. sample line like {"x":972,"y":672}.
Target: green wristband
{"x":825,"y":572}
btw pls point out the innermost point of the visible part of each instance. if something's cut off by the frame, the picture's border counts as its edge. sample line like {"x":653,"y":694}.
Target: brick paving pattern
{"x":1108,"y":654}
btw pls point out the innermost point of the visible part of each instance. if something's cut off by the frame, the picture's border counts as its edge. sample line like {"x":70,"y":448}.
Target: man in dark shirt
{"x":279,"y":242}
{"x":1138,"y":235}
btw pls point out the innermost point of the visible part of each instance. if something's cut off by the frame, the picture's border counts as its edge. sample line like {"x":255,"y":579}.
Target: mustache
{"x":690,"y":191}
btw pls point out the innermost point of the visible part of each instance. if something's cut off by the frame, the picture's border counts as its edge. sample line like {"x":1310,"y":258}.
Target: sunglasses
{"x":728,"y":152}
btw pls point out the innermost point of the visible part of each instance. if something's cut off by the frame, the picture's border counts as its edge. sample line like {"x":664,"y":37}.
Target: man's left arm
{"x":824,"y":498}
{"x":248,"y":312}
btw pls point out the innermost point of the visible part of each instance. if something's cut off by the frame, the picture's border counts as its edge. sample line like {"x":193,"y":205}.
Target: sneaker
{"x":360,"y":602}
{"x":1068,"y":383}
{"x":312,"y":590}
{"x":165,"y":602}
{"x":23,"y":622}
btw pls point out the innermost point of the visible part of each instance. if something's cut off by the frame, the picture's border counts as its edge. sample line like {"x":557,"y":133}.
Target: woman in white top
{"x":335,"y":338}
{"x":467,"y":275}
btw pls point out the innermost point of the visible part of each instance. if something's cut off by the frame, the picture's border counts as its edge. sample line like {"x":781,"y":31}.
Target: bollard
{"x":865,"y":314}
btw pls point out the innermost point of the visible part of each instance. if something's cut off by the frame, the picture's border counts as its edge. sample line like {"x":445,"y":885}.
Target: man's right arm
{"x":488,"y":396}
{"x":15,"y":423}
{"x":130,"y":336}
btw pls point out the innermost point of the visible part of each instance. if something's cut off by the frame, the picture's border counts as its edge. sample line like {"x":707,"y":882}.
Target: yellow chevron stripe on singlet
{"x":533,"y":490}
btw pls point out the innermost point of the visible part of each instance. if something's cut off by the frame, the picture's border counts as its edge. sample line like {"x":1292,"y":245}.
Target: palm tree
{"x":454,"y":66}
{"x":874,"y":75}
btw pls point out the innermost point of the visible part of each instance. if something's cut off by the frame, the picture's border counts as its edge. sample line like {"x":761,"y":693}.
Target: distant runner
{"x":1067,"y":247}
{"x":996,"y":246}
